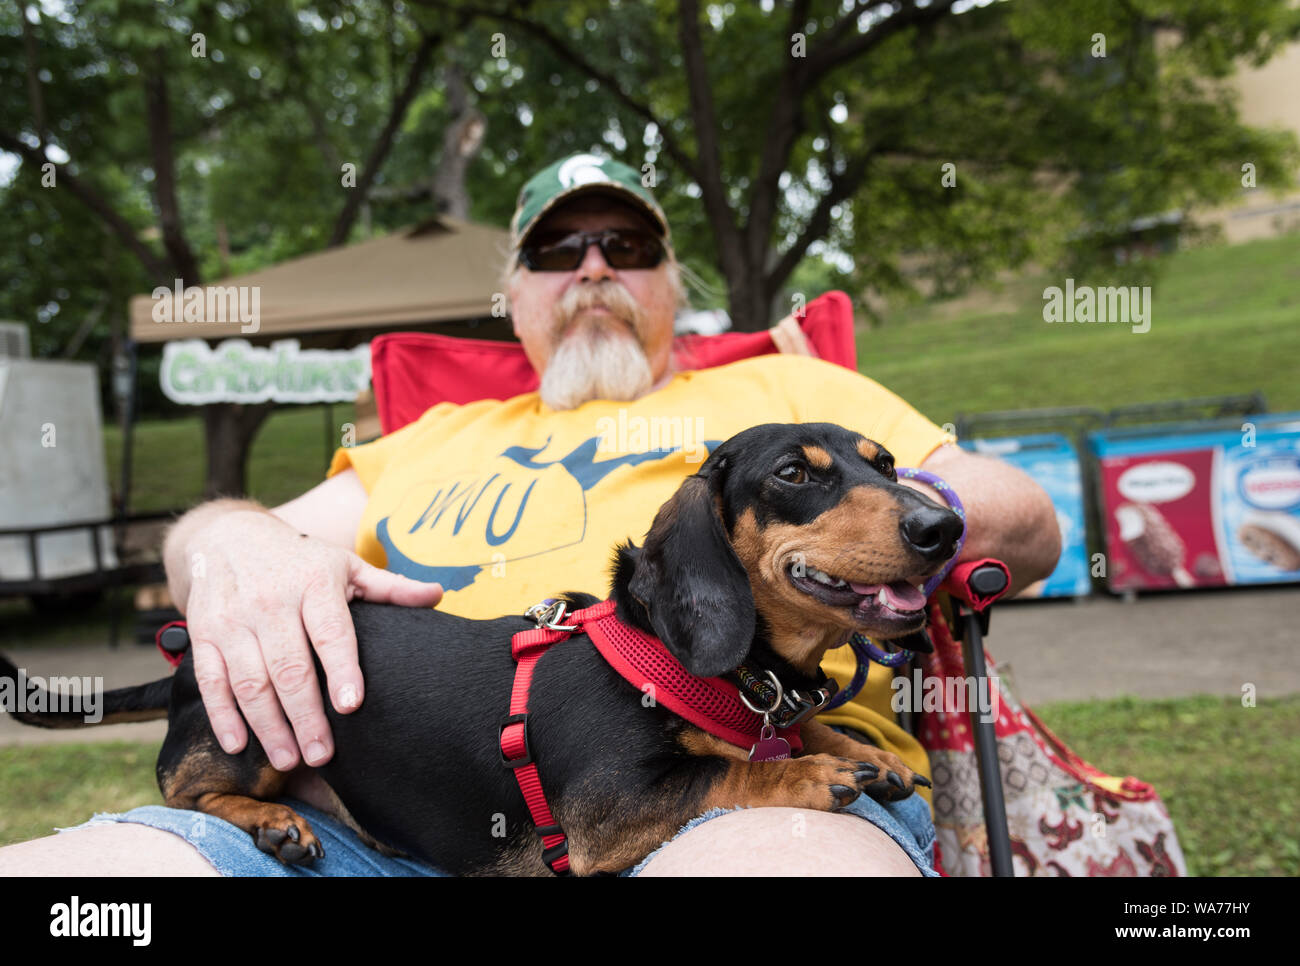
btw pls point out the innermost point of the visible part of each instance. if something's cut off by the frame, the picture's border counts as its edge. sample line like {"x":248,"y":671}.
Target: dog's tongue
{"x":900,"y":595}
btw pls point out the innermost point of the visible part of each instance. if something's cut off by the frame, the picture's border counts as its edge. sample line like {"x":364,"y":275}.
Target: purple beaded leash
{"x":863,"y":649}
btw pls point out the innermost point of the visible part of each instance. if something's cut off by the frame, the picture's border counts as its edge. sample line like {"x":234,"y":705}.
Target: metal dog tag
{"x":769,"y":747}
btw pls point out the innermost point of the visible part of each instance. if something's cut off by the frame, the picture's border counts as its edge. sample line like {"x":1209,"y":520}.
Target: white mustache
{"x":607,"y":294}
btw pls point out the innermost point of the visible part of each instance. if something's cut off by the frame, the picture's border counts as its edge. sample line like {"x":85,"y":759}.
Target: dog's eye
{"x":792,"y":473}
{"x":885,"y":465}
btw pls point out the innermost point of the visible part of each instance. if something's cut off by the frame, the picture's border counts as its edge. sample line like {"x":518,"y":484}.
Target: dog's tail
{"x":32,"y":703}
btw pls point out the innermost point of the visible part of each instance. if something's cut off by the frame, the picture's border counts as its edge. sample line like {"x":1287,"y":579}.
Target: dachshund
{"x":788,"y":539}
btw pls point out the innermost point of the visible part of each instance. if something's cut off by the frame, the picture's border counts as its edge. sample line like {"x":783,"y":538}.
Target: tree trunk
{"x":229,"y":429}
{"x":460,"y":143}
{"x":747,"y":301}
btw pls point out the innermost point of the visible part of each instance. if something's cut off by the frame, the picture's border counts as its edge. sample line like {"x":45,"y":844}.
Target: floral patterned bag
{"x":1065,"y":817}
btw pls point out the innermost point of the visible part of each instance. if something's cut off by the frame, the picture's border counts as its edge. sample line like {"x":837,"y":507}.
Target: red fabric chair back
{"x":412,"y":371}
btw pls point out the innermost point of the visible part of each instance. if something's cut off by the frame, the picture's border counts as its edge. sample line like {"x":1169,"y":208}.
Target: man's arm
{"x":1008,"y":515}
{"x":330,"y":511}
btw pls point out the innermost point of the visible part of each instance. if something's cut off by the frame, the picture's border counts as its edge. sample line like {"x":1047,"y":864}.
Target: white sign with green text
{"x":194,"y":374}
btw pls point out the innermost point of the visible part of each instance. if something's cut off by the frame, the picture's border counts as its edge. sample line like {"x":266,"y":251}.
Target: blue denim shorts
{"x":231,"y":850}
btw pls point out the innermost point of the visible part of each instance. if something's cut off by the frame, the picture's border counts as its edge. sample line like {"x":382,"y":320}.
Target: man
{"x":486,"y":508}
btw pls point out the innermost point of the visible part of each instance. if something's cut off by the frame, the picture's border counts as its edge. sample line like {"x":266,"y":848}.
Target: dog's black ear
{"x":693,"y":585}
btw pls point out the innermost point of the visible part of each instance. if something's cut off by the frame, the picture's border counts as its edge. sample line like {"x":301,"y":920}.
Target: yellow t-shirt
{"x":508,"y":503}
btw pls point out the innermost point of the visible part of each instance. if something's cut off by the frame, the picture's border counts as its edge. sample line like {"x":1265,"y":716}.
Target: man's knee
{"x":119,"y":849}
{"x":783,"y":841}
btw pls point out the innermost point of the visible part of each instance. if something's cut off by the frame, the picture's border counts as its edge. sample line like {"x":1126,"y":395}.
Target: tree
{"x":171,"y":128}
{"x":936,"y":138}
{"x":937,"y":142}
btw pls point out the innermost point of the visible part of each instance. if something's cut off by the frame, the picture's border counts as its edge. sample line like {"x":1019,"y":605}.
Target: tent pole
{"x":125,"y":376}
{"x":329,"y":434}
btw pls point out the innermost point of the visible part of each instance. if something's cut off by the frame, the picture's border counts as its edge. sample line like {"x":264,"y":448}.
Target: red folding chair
{"x":412,"y":371}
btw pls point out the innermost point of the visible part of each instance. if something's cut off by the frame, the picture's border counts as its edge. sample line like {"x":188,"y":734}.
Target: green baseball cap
{"x":582,"y":174}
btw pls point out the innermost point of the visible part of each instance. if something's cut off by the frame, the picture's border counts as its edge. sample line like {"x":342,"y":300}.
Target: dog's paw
{"x":830,"y":783}
{"x":282,"y":832}
{"x":892,"y":779}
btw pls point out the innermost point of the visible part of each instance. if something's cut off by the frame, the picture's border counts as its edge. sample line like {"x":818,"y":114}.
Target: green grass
{"x":54,"y":786}
{"x":1229,"y":775}
{"x":1224,"y":320}
{"x":289,"y":457}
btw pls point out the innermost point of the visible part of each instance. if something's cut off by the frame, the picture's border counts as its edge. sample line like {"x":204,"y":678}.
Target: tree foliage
{"x":794,"y":144}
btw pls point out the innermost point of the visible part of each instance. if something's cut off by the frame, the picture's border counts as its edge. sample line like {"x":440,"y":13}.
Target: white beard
{"x":595,"y":362}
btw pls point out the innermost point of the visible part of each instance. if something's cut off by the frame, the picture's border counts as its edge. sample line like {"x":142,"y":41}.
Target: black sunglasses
{"x":623,"y":248}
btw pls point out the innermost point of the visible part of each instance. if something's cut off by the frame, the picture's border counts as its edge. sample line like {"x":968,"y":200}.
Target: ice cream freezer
{"x":1053,"y":462}
{"x":1197,"y":505}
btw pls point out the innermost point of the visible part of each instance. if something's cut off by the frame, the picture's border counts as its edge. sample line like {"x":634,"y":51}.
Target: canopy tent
{"x":440,"y":272}
{"x":443,"y":274}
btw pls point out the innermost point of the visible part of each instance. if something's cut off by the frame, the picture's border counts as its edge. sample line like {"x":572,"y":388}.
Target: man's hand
{"x":789,"y":338}
{"x":255,"y":593}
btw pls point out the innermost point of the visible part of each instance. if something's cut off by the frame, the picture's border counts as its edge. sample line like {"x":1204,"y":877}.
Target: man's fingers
{"x":214,"y":687}
{"x":250,"y":681}
{"x":386,"y":587}
{"x":789,"y":338}
{"x":328,"y":622}
{"x":293,"y":675}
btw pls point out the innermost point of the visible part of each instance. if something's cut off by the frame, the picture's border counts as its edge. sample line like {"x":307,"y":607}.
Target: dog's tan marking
{"x":822,"y":739}
{"x":205,"y":781}
{"x":868,"y":450}
{"x":522,"y":857}
{"x":697,"y":741}
{"x":205,"y":769}
{"x":612,"y":847}
{"x":608,"y":845}
{"x":252,"y":815}
{"x":870,"y":514}
{"x":803,"y":782}
{"x":857,"y":540}
{"x":817,"y":457}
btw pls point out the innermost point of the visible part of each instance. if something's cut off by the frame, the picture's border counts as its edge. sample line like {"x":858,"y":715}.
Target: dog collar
{"x":762,"y":691}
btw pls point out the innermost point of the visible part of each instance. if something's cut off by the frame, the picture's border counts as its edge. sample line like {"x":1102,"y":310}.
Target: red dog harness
{"x":711,"y":703}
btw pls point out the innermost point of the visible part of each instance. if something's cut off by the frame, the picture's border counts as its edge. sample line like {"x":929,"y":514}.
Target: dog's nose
{"x":931,"y":531}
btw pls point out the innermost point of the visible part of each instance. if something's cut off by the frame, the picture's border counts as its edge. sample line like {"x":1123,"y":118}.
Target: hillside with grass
{"x":1224,"y":320}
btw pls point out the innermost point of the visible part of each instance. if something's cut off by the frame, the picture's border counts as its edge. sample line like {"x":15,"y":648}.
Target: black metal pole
{"x":986,"y":751}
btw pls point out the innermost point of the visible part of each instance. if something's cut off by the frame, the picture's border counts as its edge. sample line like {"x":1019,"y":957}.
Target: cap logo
{"x":582,"y":169}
